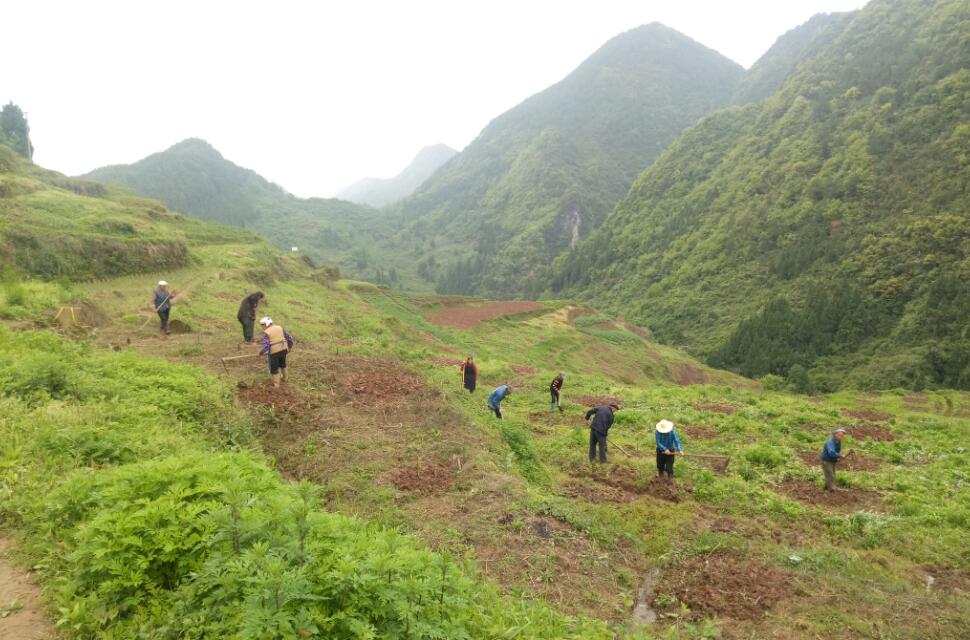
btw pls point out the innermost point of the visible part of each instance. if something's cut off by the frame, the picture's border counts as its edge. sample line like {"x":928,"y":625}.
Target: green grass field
{"x":162,"y":492}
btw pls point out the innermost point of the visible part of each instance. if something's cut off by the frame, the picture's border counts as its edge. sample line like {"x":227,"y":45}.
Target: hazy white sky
{"x":314,"y":95}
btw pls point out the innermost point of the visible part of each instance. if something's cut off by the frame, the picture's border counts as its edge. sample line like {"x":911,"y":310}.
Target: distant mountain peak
{"x":378,"y":192}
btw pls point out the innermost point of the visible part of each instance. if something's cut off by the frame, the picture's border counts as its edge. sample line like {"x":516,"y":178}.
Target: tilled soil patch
{"x":872,"y":431}
{"x":597,"y":492}
{"x":866,"y":414}
{"x":724,"y":584}
{"x":285,"y":398}
{"x":698,"y":433}
{"x":809,"y":492}
{"x":596,"y":401}
{"x":716,"y":407}
{"x":425,"y":480}
{"x":376,"y":381}
{"x":522,"y":370}
{"x":627,"y":481}
{"x":948,"y":578}
{"x":855,"y":462}
{"x":470,"y":316}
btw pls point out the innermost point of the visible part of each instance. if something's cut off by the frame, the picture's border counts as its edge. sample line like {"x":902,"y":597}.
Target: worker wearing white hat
{"x":162,"y":303}
{"x":668,"y":448}
{"x":276,"y":344}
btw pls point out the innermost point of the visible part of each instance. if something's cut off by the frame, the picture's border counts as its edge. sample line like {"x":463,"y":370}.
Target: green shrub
{"x":765,"y":456}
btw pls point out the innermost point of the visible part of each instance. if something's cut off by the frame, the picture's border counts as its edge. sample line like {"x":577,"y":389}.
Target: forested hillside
{"x":768,"y":74}
{"x":377,"y":192}
{"x":821,"y":234}
{"x":192,"y":177}
{"x":546,"y":173}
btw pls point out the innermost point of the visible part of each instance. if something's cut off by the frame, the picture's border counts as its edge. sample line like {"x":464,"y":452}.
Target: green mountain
{"x":377,"y":192}
{"x":821,"y":234}
{"x":768,"y":74}
{"x":54,"y":226}
{"x":194,"y":178}
{"x":546,"y":173}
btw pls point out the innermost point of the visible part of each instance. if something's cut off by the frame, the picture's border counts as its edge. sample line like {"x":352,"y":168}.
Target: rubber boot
{"x":276,"y":379}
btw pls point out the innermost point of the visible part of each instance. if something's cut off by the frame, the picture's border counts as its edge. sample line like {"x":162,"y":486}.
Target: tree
{"x":15,"y":131}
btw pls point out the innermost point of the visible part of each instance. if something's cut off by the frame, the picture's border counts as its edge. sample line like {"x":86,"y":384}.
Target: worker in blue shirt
{"x":495,"y":399}
{"x":668,"y":448}
{"x":831,"y":454}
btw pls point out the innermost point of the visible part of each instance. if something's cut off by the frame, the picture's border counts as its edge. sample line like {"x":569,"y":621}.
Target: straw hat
{"x":266,"y":321}
{"x":665,"y":426}
{"x":162,"y":283}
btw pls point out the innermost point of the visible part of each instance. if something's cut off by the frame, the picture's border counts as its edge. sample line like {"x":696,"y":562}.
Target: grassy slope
{"x":510,"y":504}
{"x":367,"y":407}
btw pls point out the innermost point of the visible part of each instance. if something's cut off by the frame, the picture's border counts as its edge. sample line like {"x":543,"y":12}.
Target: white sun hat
{"x":162,"y":283}
{"x":266,"y":321}
{"x":665,"y":426}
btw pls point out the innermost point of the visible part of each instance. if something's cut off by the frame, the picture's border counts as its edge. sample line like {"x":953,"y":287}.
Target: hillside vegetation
{"x":821,"y":234}
{"x":145,"y":475}
{"x":192,"y":177}
{"x":377,"y":192}
{"x":548,"y":171}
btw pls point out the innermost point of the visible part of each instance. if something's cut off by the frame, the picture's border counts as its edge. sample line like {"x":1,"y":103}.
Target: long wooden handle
{"x":248,"y":355}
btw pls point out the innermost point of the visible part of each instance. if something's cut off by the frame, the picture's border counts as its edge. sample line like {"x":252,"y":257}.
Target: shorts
{"x":277,"y":361}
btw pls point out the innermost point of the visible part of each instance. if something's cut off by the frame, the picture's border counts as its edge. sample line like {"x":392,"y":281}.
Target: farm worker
{"x":831,"y":454}
{"x":599,"y":428}
{"x":555,"y":388}
{"x":668,"y":448}
{"x":162,"y":303}
{"x":469,"y":374}
{"x":276,"y":343}
{"x":247,"y":314}
{"x":495,"y":399}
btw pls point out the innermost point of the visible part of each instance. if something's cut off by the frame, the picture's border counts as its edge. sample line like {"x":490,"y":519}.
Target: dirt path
{"x":22,"y":612}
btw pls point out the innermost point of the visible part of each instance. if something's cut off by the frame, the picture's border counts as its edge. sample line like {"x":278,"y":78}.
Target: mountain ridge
{"x":378,"y":192}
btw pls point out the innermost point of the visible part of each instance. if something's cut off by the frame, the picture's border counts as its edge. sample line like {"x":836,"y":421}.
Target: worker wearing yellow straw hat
{"x":668,"y":448}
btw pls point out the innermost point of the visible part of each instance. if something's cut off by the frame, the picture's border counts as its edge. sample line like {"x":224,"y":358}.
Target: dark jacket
{"x":247,"y":309}
{"x":555,"y":385}
{"x":602,"y":421}
{"x":469,"y":371}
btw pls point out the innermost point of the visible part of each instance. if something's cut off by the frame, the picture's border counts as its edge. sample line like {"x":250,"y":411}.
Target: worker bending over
{"x":276,"y":344}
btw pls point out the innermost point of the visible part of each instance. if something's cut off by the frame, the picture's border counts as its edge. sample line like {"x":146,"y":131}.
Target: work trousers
{"x":597,"y":439}
{"x":554,"y":404}
{"x":247,"y":327}
{"x":163,"y":319}
{"x":497,"y":410}
{"x":828,"y":468}
{"x":665,"y":464}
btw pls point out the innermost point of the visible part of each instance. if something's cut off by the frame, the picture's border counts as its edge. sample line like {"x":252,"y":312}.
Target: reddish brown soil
{"x":716,"y":407}
{"x":866,"y":414}
{"x":285,"y":398}
{"x":949,"y":578}
{"x":522,"y":370}
{"x":630,"y":485}
{"x":855,"y":462}
{"x":377,"y":380}
{"x":30,"y":621}
{"x":425,"y":480}
{"x":872,"y":431}
{"x":697,"y":433}
{"x":810,"y":492}
{"x":725,"y":584}
{"x":685,"y":374}
{"x":469,"y":316}
{"x":597,"y":492}
{"x":446,"y":362}
{"x":596,"y":401}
